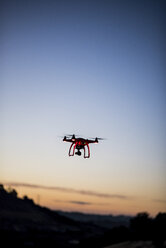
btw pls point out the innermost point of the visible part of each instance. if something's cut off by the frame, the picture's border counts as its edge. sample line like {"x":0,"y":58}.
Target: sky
{"x":92,"y":68}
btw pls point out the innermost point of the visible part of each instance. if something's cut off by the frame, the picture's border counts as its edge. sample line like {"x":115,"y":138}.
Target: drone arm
{"x":92,"y":141}
{"x":67,"y":140}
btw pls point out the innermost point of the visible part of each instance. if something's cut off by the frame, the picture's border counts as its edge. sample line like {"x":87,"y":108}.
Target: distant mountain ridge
{"x":105,"y":221}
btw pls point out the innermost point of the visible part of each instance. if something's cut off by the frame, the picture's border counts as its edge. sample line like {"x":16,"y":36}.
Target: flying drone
{"x":79,"y":144}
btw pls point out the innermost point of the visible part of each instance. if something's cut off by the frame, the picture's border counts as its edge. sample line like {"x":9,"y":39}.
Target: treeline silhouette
{"x":142,"y":227}
{"x":25,"y":224}
{"x":145,"y":228}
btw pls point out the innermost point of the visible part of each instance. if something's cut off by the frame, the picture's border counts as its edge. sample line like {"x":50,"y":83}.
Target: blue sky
{"x":94,"y":68}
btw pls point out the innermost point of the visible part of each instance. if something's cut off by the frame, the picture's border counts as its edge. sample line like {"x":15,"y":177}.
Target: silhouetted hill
{"x":25,"y":224}
{"x":23,"y":214}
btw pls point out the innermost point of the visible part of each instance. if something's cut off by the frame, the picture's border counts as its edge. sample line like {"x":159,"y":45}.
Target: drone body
{"x":79,"y":144}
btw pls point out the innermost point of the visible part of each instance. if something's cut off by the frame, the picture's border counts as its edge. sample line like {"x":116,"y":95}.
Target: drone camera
{"x":78,"y":153}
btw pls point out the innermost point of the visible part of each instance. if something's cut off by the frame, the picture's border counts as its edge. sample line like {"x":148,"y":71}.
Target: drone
{"x":79,"y":144}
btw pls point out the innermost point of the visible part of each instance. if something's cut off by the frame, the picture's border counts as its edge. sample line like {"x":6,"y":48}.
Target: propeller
{"x":98,"y":138}
{"x":101,"y":138}
{"x":73,"y":135}
{"x":76,"y":135}
{"x":67,"y":135}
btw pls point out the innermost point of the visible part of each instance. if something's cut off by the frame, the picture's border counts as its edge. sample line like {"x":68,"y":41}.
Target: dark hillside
{"x":25,"y":224}
{"x":23,"y":214}
{"x":22,"y":222}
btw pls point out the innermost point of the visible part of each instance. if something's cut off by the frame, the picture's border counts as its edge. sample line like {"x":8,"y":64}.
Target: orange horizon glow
{"x":77,"y":202}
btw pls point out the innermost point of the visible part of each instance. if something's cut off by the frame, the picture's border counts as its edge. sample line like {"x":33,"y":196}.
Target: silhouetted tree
{"x":141,"y":226}
{"x":159,"y":230}
{"x":12,"y":192}
{"x":25,"y":198}
{"x":2,"y":187}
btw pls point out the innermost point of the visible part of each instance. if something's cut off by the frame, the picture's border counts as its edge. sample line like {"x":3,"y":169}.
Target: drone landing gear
{"x":73,"y":147}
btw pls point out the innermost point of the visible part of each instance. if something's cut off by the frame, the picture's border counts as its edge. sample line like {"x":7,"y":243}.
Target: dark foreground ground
{"x":25,"y":224}
{"x":134,"y":244}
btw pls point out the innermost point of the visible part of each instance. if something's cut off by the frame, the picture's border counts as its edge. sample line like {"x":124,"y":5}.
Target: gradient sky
{"x":93,"y":68}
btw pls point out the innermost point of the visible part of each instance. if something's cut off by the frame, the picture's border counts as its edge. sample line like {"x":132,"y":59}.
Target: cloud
{"x":76,"y":202}
{"x":159,"y":200}
{"x":80,"y":202}
{"x":69,"y":190}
